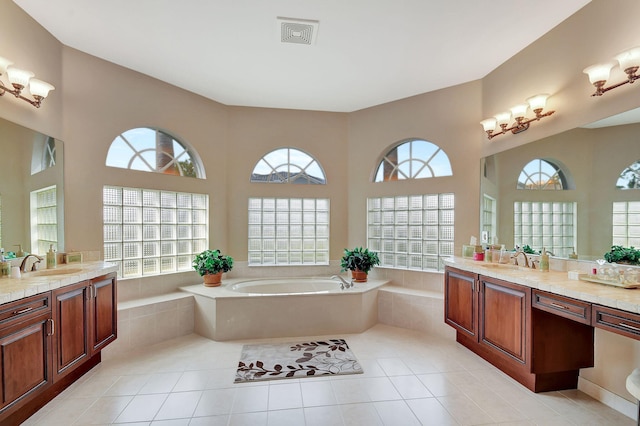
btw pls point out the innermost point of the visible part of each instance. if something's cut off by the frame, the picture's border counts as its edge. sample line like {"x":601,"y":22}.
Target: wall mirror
{"x":31,"y":190}
{"x":565,"y":192}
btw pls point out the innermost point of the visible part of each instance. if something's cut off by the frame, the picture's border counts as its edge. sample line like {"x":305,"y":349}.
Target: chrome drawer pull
{"x":629,"y":326}
{"x":556,"y":305}
{"x":23,"y":311}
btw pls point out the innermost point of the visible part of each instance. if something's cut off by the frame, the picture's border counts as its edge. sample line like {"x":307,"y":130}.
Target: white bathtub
{"x":283,"y":307}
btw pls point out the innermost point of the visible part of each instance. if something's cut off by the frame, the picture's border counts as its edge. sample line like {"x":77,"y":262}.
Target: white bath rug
{"x":296,"y":360}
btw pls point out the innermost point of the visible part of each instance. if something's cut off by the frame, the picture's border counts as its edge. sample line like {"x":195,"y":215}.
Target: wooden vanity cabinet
{"x":620,"y":322}
{"x":505,"y":318}
{"x":104,"y":312}
{"x":71,"y":305}
{"x":86,"y":319}
{"x":25,"y":350}
{"x":497,"y":320}
{"x":50,"y":340}
{"x":461,"y":301}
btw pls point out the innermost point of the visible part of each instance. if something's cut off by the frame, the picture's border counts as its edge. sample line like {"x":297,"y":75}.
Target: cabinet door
{"x":25,"y":359}
{"x":70,"y":314}
{"x":505,"y":311}
{"x":460,"y":301}
{"x":104,"y":312}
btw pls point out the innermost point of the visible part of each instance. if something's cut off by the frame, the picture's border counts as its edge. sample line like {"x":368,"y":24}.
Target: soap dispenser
{"x":51,"y":258}
{"x":544,"y":260}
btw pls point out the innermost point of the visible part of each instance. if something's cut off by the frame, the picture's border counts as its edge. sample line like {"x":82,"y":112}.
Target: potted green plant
{"x":359,"y":261}
{"x":625,"y":255}
{"x":211,"y":264}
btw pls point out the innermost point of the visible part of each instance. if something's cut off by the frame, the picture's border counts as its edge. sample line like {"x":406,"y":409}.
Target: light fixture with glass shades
{"x":20,"y":79}
{"x":629,"y":61}
{"x":518,"y":113}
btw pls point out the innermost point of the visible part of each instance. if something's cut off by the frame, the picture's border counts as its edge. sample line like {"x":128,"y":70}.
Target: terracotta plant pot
{"x":212,"y":280}
{"x":359,"y":276}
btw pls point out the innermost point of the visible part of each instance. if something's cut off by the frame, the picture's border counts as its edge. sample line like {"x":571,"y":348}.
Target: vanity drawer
{"x":566,"y":307}
{"x":24,"y":308}
{"x":617,"y":321}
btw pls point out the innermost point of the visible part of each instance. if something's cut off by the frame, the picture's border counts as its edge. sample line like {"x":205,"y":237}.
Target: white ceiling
{"x":367,"y":52}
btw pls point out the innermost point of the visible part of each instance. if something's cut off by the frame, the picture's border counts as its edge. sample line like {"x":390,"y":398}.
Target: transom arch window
{"x":630,"y":177}
{"x":543,"y":174}
{"x":413,"y":159}
{"x":288,"y":165}
{"x":153,"y":150}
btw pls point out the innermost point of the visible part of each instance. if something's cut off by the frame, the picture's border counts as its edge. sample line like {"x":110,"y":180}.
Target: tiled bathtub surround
{"x":414,"y":300}
{"x":224,"y":314}
{"x":144,"y":322}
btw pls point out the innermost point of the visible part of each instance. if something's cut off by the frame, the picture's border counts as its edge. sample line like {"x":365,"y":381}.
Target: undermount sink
{"x":508,"y":266}
{"x":48,"y":272}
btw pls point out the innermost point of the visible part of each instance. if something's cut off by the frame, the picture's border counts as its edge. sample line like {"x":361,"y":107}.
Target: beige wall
{"x":94,"y":101}
{"x":103,"y":100}
{"x":445,"y":117}
{"x":253,"y":133}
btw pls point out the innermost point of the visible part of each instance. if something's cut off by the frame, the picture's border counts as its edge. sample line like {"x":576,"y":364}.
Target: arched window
{"x":152,"y":150}
{"x":542,"y":175}
{"x":413,"y":159}
{"x":630,"y":177}
{"x":288,"y":165}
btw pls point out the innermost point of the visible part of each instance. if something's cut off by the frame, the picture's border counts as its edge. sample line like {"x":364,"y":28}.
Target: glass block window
{"x":44,"y":220}
{"x":151,"y":232}
{"x":626,"y":223}
{"x":152,"y":150}
{"x":288,"y":165}
{"x":541,"y":175}
{"x":489,"y":217}
{"x":630,"y":177}
{"x":413,"y":159}
{"x":411,"y":232}
{"x":288,"y":231}
{"x":551,"y":225}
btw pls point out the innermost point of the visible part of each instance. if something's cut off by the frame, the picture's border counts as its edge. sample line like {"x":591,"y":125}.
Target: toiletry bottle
{"x":51,"y":258}
{"x":5,"y":268}
{"x":544,"y":260}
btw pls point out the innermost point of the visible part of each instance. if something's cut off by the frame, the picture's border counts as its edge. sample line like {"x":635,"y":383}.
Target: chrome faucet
{"x":23,"y":265}
{"x":526,"y":259}
{"x":343,"y":283}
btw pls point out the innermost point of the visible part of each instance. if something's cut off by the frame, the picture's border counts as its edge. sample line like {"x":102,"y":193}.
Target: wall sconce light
{"x":536,"y":103}
{"x":20,"y":79}
{"x":629,"y":61}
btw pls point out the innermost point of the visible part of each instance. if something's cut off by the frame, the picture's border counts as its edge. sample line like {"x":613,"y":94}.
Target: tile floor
{"x":410,"y":379}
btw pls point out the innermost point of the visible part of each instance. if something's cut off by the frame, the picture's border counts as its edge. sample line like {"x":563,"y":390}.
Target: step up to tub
{"x":415,"y":309}
{"x":150,"y":320}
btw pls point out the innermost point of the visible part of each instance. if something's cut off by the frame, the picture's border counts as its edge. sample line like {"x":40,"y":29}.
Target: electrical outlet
{"x":485,"y":237}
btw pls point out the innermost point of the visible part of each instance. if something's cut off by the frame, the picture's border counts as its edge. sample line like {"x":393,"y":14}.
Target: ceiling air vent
{"x":297,"y":31}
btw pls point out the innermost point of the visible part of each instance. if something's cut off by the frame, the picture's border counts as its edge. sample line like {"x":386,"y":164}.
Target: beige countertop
{"x":31,"y":283}
{"x":555,"y":282}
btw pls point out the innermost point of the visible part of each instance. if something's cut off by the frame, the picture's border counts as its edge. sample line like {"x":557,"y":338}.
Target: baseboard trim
{"x":608,"y":398}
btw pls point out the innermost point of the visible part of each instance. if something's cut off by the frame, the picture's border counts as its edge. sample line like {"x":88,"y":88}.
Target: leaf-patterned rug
{"x":296,"y":360}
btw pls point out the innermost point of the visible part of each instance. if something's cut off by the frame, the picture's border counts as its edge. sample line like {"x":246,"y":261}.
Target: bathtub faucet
{"x":343,"y":283}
